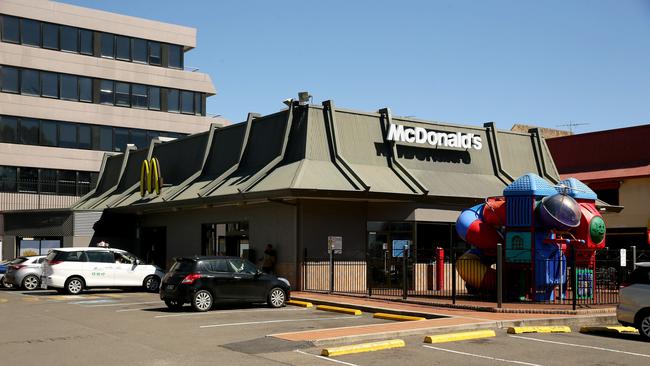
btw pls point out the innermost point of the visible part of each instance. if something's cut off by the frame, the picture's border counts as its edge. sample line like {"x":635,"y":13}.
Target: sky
{"x":544,"y":63}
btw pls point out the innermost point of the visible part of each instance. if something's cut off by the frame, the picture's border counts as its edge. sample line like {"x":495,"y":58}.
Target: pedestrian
{"x":270,"y":257}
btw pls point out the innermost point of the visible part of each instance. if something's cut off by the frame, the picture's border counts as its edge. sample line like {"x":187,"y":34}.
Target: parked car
{"x":3,"y":270}
{"x":203,"y":281}
{"x":25,"y":272}
{"x":72,"y":270}
{"x":634,"y":300}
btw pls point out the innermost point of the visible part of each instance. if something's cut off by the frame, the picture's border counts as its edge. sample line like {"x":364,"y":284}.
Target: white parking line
{"x":121,"y":304}
{"x":582,"y":346}
{"x":278,"y":321}
{"x":217,"y":312}
{"x":482,"y":356}
{"x":326,"y":358}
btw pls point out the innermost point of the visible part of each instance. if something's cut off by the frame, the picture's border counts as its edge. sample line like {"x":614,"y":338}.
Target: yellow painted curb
{"x":363,"y":347}
{"x":304,"y":304}
{"x":397,"y":317}
{"x":610,"y":329}
{"x":451,"y":337}
{"x":541,"y":329}
{"x":337,"y":309}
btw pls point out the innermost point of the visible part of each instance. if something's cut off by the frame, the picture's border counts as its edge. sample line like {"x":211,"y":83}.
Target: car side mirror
{"x":137,"y":261}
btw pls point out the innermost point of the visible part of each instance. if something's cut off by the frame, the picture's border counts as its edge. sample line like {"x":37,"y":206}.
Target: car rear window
{"x":18,"y":260}
{"x":183,"y":266}
{"x":215,"y":265}
{"x":641,"y":275}
{"x":76,"y":256}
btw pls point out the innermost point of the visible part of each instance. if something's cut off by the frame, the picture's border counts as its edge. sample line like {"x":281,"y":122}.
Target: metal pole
{"x":499,"y":275}
{"x":574,"y":277}
{"x":453,"y":274}
{"x":405,"y":255}
{"x":331,"y":271}
{"x":633,"y":247}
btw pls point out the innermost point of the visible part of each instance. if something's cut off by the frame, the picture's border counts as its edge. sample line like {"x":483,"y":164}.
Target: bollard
{"x":440,"y":269}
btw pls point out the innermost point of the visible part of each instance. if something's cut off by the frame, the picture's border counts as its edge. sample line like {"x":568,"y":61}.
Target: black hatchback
{"x":202,"y":281}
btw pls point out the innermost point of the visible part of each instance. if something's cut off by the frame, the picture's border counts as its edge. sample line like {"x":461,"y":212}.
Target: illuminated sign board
{"x":419,"y":135}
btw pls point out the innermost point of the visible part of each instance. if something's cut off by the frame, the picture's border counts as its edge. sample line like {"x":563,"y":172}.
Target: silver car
{"x":634,"y":300}
{"x":25,"y":272}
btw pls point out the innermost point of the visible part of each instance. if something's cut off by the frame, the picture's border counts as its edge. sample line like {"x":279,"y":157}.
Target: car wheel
{"x":644,"y":326}
{"x":4,"y":283}
{"x":31,"y":282}
{"x":174,"y":304}
{"x":276,"y":298}
{"x":152,"y":283}
{"x":74,"y":285}
{"x":202,"y":300}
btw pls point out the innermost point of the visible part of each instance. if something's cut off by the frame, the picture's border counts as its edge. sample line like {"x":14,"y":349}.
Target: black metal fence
{"x":579,"y":278}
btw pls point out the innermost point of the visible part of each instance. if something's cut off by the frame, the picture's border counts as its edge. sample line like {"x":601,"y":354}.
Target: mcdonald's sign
{"x":150,"y":178}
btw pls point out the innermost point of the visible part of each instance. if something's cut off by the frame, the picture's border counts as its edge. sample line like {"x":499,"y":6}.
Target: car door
{"x":218,"y":275}
{"x":127,"y":270}
{"x":99,"y":268}
{"x":248,"y":284}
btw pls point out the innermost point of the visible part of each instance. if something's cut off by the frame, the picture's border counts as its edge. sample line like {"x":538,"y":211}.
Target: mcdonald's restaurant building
{"x":295,"y":179}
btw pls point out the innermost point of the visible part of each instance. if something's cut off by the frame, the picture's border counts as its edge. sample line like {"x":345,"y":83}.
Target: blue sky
{"x":545,"y":63}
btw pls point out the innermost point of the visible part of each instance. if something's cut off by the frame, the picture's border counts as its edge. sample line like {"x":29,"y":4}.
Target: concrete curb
{"x":462,"y":336}
{"x":371,"y":309}
{"x":363,"y":347}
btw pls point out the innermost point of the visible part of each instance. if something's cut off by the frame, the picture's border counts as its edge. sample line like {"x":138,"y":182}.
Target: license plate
{"x":170,"y":287}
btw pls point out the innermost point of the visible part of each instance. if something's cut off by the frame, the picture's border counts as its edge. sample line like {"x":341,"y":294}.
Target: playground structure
{"x":542,"y":226}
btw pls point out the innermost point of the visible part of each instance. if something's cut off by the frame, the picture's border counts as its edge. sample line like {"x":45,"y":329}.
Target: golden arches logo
{"x":150,"y":178}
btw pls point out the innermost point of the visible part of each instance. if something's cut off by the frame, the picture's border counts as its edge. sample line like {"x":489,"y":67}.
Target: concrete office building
{"x":297,"y":177}
{"x":76,"y":83}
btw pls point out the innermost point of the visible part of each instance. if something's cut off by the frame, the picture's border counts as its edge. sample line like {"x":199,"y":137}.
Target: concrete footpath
{"x":439,"y":319}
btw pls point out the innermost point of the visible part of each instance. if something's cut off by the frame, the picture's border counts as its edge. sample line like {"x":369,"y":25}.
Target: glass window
{"x":85,"y":89}
{"x":27,"y":180}
{"x":154,"y":98}
{"x":241,"y":266}
{"x":8,"y":129}
{"x":215,"y":265}
{"x":123,"y":48}
{"x":47,"y":181}
{"x":9,"y":79}
{"x":122,"y":94}
{"x":49,"y":84}
{"x":198,"y":103}
{"x":139,"y":50}
{"x":67,"y":182}
{"x":69,"y":87}
{"x":107,"y":42}
{"x":71,"y":256}
{"x":187,"y":102}
{"x":172,"y":100}
{"x":67,"y":135}
{"x":86,"y":42}
{"x":10,"y":29}
{"x":83,"y":182}
{"x":48,"y":133}
{"x":121,"y":139}
{"x":85,"y":140}
{"x":51,"y":36}
{"x":106,"y":138}
{"x":139,"y":96}
{"x":100,"y":256}
{"x":47,"y":245}
{"x":30,"y":32}
{"x":29,"y":131}
{"x":106,"y":92}
{"x":154,"y":53}
{"x":7,"y":179}
{"x":175,"y":56}
{"x":29,"y":82}
{"x":139,"y":138}
{"x":69,"y":39}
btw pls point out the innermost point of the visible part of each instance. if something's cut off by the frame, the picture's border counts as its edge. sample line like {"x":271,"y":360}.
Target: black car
{"x":202,"y":281}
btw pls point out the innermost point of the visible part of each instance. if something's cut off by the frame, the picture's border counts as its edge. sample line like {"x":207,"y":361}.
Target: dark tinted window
{"x":139,"y":138}
{"x":27,"y":179}
{"x":154,"y":53}
{"x":48,"y":133}
{"x":242,"y":266}
{"x":51,"y":36}
{"x":69,"y":39}
{"x":8,"y":129}
{"x":67,"y":182}
{"x":84,"y":137}
{"x":122,"y":95}
{"x":139,"y":50}
{"x":107,"y":42}
{"x":85,"y":42}
{"x":139,"y":96}
{"x":175,"y":56}
{"x":100,"y":256}
{"x":30,"y":32}
{"x":49,"y":84}
{"x":198,"y":103}
{"x":187,"y":102}
{"x":641,"y":275}
{"x":123,"y":48}
{"x":67,"y":135}
{"x":9,"y":79}
{"x":106,"y":138}
{"x":7,"y":179}
{"x":47,"y":181}
{"x":106,"y":92}
{"x":85,"y":89}
{"x":172,"y":100}
{"x":10,"y":29}
{"x":69,"y":87}
{"x":29,"y":82}
{"x":154,"y":98}
{"x":70,"y":256}
{"x":183,"y":266}
{"x":215,"y":265}
{"x":83,"y":182}
{"x":121,"y":139}
{"x":29,"y":131}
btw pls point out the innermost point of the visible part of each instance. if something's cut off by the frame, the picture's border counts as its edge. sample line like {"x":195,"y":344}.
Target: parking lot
{"x":134,"y":328}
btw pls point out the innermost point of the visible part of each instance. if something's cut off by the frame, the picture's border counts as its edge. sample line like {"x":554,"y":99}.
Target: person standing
{"x":270,"y":258}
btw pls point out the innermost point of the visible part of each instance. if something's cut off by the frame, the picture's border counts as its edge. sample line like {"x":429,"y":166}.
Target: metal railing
{"x":40,"y":194}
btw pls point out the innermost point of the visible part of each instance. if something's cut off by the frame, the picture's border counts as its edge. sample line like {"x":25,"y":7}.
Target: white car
{"x":634,"y":300}
{"x":72,"y":270}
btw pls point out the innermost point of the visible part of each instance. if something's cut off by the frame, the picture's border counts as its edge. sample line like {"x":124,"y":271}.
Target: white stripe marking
{"x":481,"y":356}
{"x":121,"y":304}
{"x":228,"y":312}
{"x":582,"y":346}
{"x":278,"y":321}
{"x":326,"y":358}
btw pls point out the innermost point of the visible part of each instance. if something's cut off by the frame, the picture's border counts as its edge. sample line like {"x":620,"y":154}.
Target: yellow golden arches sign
{"x":150,"y":178}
